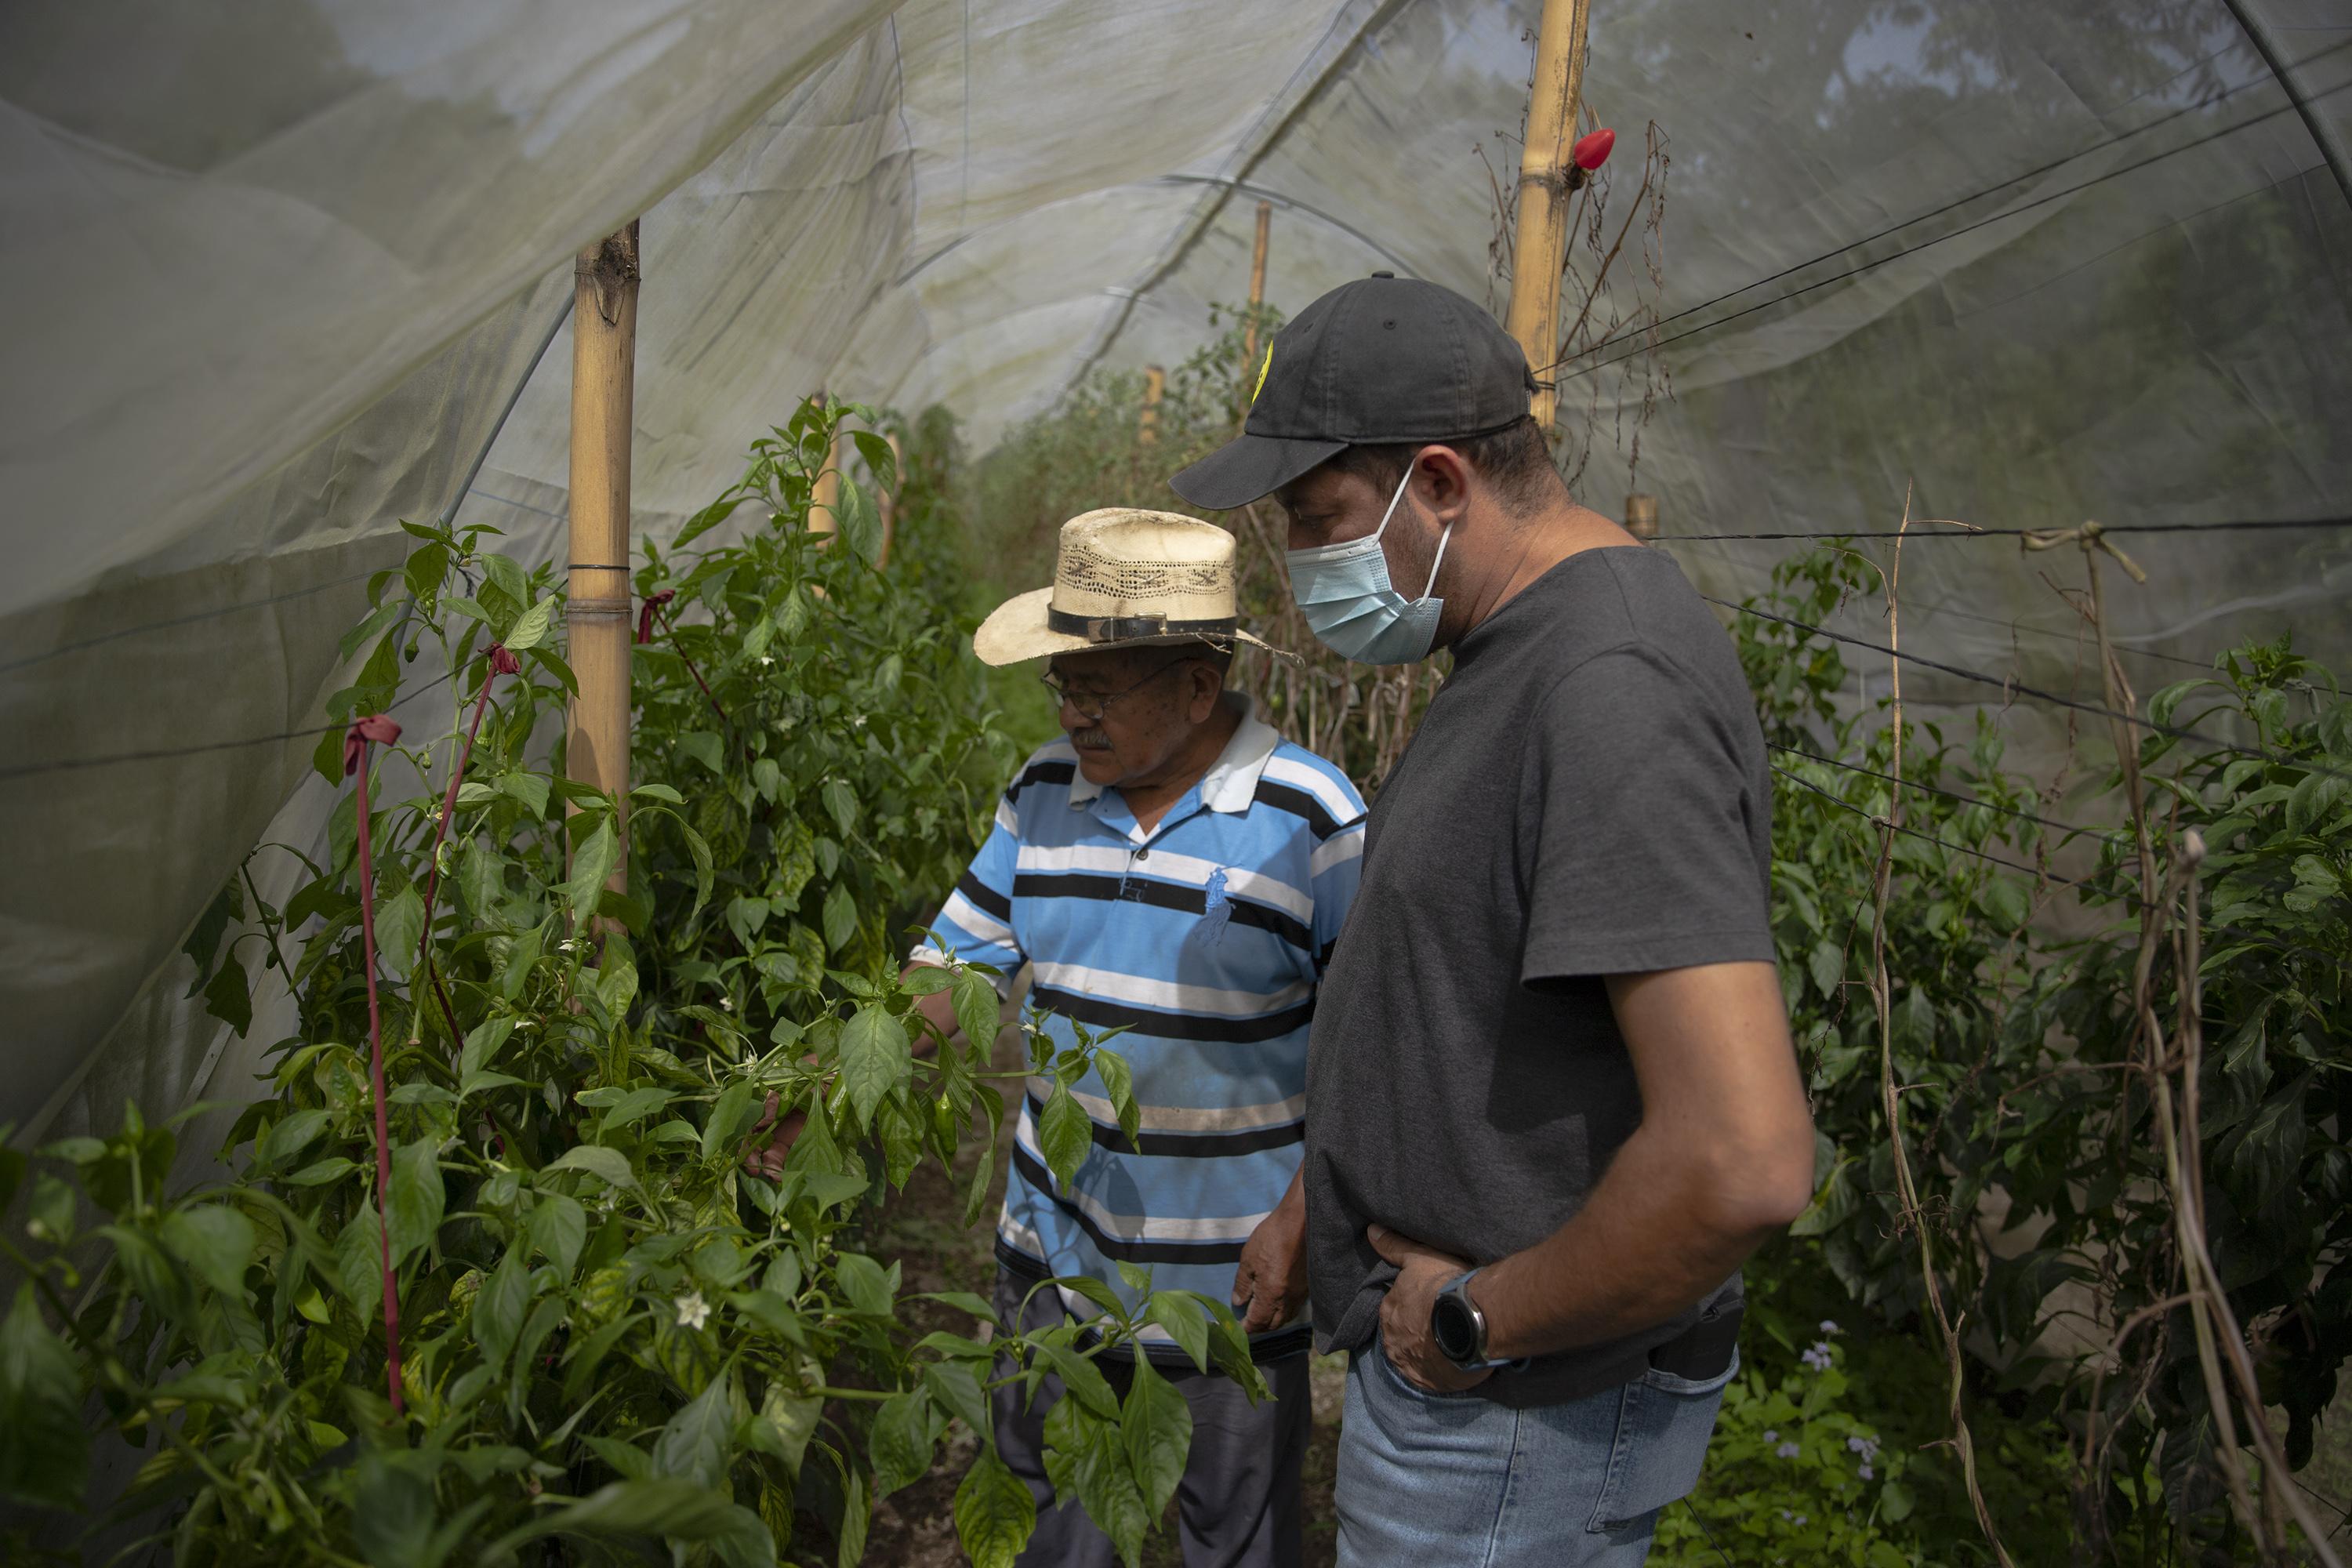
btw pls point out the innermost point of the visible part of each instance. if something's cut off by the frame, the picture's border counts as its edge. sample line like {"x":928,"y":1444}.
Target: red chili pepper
{"x":502,"y":662}
{"x":1590,"y":152}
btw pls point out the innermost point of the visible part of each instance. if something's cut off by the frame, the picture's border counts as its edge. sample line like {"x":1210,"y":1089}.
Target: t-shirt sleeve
{"x":1334,"y":868}
{"x":976,"y":923}
{"x":1636,"y":813}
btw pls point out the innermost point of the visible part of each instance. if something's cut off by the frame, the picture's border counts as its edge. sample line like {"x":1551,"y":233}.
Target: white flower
{"x":1818,"y":1358}
{"x":1771,"y":1434}
{"x":765,"y":659}
{"x":1829,"y":1328}
{"x":1866,"y":1474}
{"x":1787,"y":1451}
{"x":693,"y":1312}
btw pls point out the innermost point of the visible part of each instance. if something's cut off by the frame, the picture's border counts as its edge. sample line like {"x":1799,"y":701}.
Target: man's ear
{"x":1207,"y":683}
{"x":1441,"y":482}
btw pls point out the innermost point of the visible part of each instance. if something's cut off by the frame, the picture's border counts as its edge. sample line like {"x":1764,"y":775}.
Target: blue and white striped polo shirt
{"x":1207,"y":938}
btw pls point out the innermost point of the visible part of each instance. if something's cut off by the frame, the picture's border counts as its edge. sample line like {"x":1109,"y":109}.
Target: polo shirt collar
{"x":1231,"y":783}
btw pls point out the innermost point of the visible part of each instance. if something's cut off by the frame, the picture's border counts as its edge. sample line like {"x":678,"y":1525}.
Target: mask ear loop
{"x":1443,"y":540}
{"x":1393,"y":503}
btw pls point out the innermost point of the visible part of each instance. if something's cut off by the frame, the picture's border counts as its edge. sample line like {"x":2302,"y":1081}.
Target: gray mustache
{"x":1093,"y":736}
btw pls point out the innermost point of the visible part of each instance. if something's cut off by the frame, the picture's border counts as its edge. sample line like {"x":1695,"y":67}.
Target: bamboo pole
{"x":1147,"y":420}
{"x":1642,"y":515}
{"x":1540,"y":246}
{"x":1256,"y":295}
{"x":604,"y":397}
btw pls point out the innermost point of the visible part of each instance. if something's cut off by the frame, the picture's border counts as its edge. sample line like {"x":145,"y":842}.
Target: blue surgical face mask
{"x":1344,"y":592}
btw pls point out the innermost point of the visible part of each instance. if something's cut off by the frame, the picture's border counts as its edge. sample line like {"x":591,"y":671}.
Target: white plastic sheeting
{"x":281,"y":267}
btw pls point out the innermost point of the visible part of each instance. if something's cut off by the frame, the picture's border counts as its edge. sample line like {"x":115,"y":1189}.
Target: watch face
{"x":1451,"y":1326}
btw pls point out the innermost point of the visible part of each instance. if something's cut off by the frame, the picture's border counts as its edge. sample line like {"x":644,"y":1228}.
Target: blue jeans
{"x":1428,"y":1479}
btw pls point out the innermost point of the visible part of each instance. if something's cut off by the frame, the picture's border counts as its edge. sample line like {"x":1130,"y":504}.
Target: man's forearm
{"x":1648,"y":1244}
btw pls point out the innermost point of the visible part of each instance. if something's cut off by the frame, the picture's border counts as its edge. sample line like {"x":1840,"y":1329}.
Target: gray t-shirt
{"x":1588,"y":795}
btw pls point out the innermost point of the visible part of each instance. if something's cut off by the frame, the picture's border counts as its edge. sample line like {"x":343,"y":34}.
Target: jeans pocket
{"x":1663,"y":1423}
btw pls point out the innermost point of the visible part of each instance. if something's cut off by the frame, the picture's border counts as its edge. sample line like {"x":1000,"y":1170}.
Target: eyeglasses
{"x":1090,"y":704}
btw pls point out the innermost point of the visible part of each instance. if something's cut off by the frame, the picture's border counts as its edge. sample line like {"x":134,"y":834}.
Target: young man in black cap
{"x":1551,"y":1099}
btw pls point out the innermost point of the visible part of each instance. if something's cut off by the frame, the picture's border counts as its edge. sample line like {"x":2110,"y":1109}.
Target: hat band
{"x":1123,"y":628}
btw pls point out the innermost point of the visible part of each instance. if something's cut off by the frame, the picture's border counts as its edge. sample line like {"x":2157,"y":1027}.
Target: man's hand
{"x":1270,"y":1285}
{"x":772,"y":1139}
{"x":1422,"y":1272}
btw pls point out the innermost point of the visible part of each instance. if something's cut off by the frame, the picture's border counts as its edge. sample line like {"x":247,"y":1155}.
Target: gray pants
{"x":1238,"y":1504}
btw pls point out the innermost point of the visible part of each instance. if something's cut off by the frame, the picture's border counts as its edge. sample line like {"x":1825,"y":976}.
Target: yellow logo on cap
{"x":1263,"y":366}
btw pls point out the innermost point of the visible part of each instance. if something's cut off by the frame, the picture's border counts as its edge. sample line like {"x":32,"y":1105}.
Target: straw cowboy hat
{"x":1123,"y":578}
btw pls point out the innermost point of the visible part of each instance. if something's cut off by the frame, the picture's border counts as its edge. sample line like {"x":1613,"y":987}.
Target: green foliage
{"x":2027,"y":1102}
{"x":612,"y":1334}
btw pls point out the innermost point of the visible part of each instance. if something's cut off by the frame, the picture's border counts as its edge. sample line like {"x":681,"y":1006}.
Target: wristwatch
{"x":1458,"y":1326}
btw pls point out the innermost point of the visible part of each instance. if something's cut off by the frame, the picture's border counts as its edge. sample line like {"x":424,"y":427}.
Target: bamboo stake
{"x":1256,"y":296}
{"x":1642,"y":515}
{"x":1147,"y":422}
{"x":603,"y":396}
{"x":1539,"y":246}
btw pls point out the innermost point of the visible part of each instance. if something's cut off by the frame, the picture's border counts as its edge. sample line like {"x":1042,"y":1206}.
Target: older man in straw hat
{"x":1175,"y":867}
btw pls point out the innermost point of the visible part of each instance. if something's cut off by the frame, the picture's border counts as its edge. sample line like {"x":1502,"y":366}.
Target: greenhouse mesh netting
{"x":285,"y":272}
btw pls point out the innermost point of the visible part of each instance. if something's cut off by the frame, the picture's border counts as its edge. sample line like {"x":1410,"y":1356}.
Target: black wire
{"x":1871,"y":816}
{"x":2103,"y":712}
{"x":1950,"y":795}
{"x":1925,"y":244}
{"x":2199,"y":107}
{"x":1913,"y":534}
{"x":2132,"y":900}
{"x":167,"y":752}
{"x":1942,"y":608}
{"x":1699,"y":1520}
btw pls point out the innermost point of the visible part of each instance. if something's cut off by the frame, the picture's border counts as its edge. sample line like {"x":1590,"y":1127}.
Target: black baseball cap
{"x":1383,"y":360}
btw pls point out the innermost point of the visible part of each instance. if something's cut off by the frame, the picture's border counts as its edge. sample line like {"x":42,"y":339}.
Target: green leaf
{"x":785,"y":1425}
{"x":703,"y":522}
{"x":1158,"y":1427}
{"x":1120,"y":1081}
{"x":230,"y":998}
{"x":695,"y":1445}
{"x":840,"y":918}
{"x":215,"y":1242}
{"x":956,"y":1390}
{"x":1083,"y":1379}
{"x":528,"y":789}
{"x":1066,"y":1134}
{"x":666,"y":1506}
{"x":841,"y":803}
{"x":530,"y":627}
{"x":875,"y":1058}
{"x":358,"y":1261}
{"x":290,"y":1137}
{"x":499,"y":1310}
{"x":900,"y":1441}
{"x":705,"y":748}
{"x":608,"y":1165}
{"x":591,"y":865}
{"x":559,"y":1227}
{"x":860,"y":519}
{"x":863,"y":1284}
{"x":994,"y":1513}
{"x":399,"y":922}
{"x":44,"y":1452}
{"x":977,"y":1008}
{"x":482,"y":1043}
{"x":728,"y":1118}
{"x":416,"y":1196}
{"x":1185,"y":1323}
